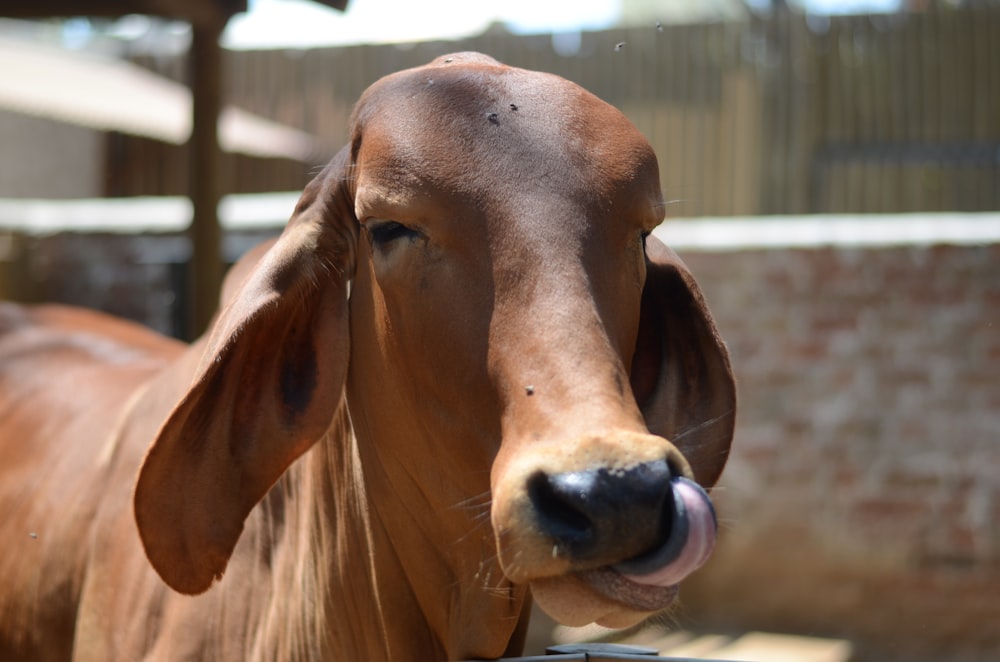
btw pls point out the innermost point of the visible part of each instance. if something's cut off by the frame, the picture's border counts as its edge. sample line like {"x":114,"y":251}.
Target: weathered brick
{"x":862,"y":499}
{"x":874,"y":376}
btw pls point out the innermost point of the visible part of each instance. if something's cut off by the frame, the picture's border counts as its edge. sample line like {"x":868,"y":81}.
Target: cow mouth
{"x":649,"y":582}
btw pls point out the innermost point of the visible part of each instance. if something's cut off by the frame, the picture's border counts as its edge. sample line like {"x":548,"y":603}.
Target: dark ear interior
{"x":681,"y":376}
{"x":267,"y":388}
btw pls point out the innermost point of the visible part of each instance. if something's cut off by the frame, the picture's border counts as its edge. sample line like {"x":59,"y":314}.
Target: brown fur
{"x":517,"y":326}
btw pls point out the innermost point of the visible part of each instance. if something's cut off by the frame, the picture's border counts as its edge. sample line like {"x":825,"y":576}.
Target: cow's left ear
{"x":268,"y":386}
{"x":681,"y":375}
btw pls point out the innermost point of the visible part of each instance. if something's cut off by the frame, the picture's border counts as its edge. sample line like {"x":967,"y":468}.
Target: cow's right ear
{"x":268,"y":386}
{"x":681,"y":375}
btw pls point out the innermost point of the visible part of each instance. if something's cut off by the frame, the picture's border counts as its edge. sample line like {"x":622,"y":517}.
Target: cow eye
{"x":383,"y":233}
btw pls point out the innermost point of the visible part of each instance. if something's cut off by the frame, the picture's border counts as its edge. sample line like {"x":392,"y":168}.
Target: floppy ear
{"x":267,"y":388}
{"x":680,"y":371}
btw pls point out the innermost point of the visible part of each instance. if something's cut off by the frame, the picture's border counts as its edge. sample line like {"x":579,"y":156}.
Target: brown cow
{"x":467,"y":323}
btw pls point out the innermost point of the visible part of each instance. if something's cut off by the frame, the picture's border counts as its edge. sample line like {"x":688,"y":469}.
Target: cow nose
{"x":604,"y":516}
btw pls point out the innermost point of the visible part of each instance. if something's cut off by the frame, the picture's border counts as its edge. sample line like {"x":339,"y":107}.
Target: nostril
{"x":674,"y":469}
{"x":560,"y":502}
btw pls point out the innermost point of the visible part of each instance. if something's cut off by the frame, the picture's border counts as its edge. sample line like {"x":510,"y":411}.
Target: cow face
{"x":538,"y":394}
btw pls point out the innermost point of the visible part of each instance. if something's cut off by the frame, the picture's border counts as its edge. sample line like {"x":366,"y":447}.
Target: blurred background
{"x":833,"y":169}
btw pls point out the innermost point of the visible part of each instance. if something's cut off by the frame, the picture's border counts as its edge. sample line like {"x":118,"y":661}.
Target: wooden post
{"x":205,"y":187}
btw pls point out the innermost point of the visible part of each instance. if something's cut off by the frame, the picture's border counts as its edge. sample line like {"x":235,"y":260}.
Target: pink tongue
{"x":700,"y":539}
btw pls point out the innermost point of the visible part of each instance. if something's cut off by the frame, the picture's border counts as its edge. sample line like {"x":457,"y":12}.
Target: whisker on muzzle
{"x":476,"y":502}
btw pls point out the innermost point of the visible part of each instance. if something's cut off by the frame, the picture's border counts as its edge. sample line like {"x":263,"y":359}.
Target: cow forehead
{"x":474,"y":126}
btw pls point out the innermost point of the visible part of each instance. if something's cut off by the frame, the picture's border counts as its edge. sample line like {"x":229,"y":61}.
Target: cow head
{"x":475,"y":269}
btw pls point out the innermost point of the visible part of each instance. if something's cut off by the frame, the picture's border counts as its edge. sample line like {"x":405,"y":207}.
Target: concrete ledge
{"x":817,"y":231}
{"x":141,"y":214}
{"x":270,"y":211}
{"x":746,"y":647}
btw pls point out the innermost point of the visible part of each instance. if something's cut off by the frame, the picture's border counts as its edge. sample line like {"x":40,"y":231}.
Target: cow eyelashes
{"x":383,"y":233}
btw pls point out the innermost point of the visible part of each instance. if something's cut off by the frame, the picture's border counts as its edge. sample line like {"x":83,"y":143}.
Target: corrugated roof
{"x":113,"y":95}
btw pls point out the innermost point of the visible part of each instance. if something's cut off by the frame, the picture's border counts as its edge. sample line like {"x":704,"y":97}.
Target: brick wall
{"x":863,"y":495}
{"x":128,"y":276}
{"x":135,"y":276}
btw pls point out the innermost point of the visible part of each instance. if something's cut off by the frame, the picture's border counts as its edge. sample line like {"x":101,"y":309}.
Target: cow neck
{"x":431,"y":584}
{"x":323,"y":601}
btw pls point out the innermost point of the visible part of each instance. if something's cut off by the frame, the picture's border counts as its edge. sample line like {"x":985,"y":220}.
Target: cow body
{"x":504,"y":386}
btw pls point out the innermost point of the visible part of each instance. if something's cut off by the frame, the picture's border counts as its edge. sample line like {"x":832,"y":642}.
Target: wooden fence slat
{"x":768,"y":115}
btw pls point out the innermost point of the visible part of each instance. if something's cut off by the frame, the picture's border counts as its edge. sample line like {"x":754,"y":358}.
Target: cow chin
{"x":580,"y":599}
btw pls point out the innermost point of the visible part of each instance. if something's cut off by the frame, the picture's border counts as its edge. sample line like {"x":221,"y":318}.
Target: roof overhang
{"x":106,"y":94}
{"x":196,"y":12}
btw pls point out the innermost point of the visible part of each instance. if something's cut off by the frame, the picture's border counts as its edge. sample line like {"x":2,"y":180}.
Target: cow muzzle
{"x":607,"y":543}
